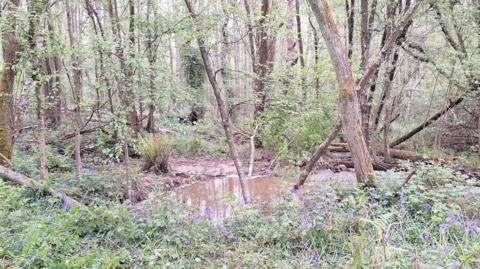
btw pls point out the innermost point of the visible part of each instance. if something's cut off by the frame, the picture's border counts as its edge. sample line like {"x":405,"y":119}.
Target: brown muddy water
{"x":214,"y":198}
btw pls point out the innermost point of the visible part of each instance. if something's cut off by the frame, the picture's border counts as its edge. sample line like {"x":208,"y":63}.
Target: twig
{"x":407,"y":179}
{"x":252,"y":151}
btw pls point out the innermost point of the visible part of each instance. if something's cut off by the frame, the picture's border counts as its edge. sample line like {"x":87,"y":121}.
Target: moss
{"x":346,"y":91}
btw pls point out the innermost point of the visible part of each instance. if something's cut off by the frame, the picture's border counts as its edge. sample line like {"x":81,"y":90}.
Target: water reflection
{"x":211,"y":196}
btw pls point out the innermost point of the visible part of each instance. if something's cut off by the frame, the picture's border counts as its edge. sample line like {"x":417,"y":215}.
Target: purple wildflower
{"x":426,"y":235}
{"x":208,"y":211}
{"x":427,"y":206}
{"x":402,"y":203}
{"x":452,"y":219}
{"x":350,"y":216}
{"x":446,"y":249}
{"x":313,"y":257}
{"x":470,"y":226}
{"x":444,"y":228}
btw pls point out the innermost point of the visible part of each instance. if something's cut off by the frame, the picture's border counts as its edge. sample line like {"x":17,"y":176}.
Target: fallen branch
{"x":20,"y":179}
{"x":427,"y":123}
{"x":318,"y":153}
{"x":407,"y":179}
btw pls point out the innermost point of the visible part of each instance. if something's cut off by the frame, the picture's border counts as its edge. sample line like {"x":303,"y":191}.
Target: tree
{"x":73,"y":35}
{"x":11,"y":48}
{"x":221,"y":107}
{"x":348,"y":103}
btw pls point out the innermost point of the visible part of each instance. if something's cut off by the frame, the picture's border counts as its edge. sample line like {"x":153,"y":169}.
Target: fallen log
{"x":20,"y":179}
{"x":377,"y":165}
{"x":428,"y":122}
{"x":395,"y":153}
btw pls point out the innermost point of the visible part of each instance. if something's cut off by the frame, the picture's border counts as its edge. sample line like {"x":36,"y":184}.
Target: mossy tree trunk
{"x":11,"y":47}
{"x":348,"y":103}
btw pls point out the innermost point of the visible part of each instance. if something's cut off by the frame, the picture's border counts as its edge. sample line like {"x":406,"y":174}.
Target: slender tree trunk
{"x":42,"y":151}
{"x":221,"y":107}
{"x":262,"y":67}
{"x":393,"y":35}
{"x":316,"y":51}
{"x":301,"y":55}
{"x":348,"y":102}
{"x":127,"y":97}
{"x":53,"y":92}
{"x":7,"y":79}
{"x":386,"y":129}
{"x":350,"y":10}
{"x":152,"y":59}
{"x":387,"y":88}
{"x":73,"y":34}
{"x":37,"y":41}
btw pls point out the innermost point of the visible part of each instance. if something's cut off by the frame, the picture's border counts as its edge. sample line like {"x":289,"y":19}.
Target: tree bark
{"x":22,"y":180}
{"x":73,"y":34}
{"x":221,"y":107}
{"x":7,"y":79}
{"x":350,"y":10}
{"x":348,"y":101}
{"x":318,"y":153}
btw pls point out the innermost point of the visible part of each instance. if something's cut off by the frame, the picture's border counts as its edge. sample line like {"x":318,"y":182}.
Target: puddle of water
{"x":209,"y":196}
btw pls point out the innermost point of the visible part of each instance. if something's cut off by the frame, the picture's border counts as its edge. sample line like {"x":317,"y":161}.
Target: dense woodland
{"x":240,"y":134}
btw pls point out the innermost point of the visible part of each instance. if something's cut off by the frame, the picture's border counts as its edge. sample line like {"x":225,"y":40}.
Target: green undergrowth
{"x":432,"y":221}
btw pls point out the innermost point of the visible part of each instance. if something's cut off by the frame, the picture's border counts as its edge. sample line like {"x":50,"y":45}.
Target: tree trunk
{"x":127,"y":97}
{"x":262,"y":68}
{"x":42,"y":150}
{"x":7,"y":78}
{"x":348,"y":102}
{"x":221,"y":107}
{"x":318,"y":153}
{"x":22,"y":180}
{"x":316,"y":56}
{"x":73,"y":34}
{"x":391,"y":37}
{"x":350,"y":10}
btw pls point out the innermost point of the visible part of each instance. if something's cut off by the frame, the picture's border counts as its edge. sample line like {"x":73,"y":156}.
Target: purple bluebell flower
{"x":444,"y":228}
{"x":313,"y":257}
{"x":446,"y":249}
{"x":452,"y":219}
{"x":426,"y":235}
{"x":427,"y":206}
{"x":470,"y":226}
{"x":350,"y":216}
{"x":208,"y":211}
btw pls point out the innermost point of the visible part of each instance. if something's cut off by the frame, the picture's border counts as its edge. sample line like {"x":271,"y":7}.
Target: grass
{"x":433,"y":221}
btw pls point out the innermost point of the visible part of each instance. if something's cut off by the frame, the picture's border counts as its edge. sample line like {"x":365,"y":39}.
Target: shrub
{"x":291,"y":134}
{"x":155,"y":151}
{"x":190,"y":146}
